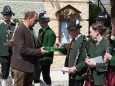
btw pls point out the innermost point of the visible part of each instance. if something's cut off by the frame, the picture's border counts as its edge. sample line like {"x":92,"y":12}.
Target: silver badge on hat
{"x":77,"y":22}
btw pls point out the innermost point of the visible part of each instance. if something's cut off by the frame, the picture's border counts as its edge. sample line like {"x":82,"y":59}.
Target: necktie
{"x":70,"y":49}
{"x":33,"y":38}
{"x":35,"y":41}
{"x":41,"y":38}
{"x":8,"y":26}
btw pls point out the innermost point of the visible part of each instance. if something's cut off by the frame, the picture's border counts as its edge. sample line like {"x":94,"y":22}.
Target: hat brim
{"x":100,"y":18}
{"x":74,"y":28}
{"x":8,"y":13}
{"x":44,"y":19}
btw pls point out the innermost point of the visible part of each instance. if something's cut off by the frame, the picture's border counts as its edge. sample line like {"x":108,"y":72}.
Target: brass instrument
{"x":17,"y":22}
{"x":10,"y":42}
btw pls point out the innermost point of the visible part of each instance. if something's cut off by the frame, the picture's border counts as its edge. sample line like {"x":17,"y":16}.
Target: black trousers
{"x":45,"y":69}
{"x":74,"y":82}
{"x":36,"y":74}
{"x":5,"y":66}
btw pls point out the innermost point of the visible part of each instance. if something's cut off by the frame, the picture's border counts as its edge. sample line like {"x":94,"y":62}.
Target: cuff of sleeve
{"x":78,"y":68}
{"x":100,"y":66}
{"x":112,"y":61}
{"x":38,"y":52}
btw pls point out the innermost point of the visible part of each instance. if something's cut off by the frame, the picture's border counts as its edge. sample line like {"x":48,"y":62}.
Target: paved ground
{"x":58,"y":79}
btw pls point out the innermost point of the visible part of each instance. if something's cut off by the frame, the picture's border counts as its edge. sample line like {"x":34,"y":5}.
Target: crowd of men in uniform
{"x":90,"y":62}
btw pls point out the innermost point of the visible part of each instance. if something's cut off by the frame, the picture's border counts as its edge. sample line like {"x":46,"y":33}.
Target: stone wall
{"x":19,"y":7}
{"x":55,"y":5}
{"x":52,"y":8}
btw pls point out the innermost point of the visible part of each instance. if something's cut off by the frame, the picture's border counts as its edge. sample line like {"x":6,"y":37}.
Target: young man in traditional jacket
{"x":46,"y":38}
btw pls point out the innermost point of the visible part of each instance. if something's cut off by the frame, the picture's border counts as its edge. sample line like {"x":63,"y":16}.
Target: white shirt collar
{"x":44,"y":28}
{"x":26,"y":25}
{"x":77,"y":36}
{"x":6,"y":23}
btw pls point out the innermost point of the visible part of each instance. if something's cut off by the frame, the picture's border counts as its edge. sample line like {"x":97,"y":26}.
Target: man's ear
{"x":29,"y":17}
